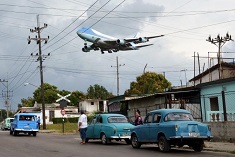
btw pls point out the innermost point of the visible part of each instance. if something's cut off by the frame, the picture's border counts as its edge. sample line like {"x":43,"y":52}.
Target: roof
{"x":223,"y":64}
{"x":226,"y":80}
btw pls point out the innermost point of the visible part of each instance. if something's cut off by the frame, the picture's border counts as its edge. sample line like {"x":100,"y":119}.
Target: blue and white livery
{"x":104,"y":42}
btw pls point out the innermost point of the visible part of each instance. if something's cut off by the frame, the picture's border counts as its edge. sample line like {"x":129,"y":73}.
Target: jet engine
{"x":86,"y":48}
{"x":121,"y":42}
{"x":143,"y":39}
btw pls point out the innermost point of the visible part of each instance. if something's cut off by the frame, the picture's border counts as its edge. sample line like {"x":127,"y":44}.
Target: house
{"x":91,"y":105}
{"x":218,"y":100}
{"x":216,"y":72}
{"x":51,"y":111}
{"x":187,"y":98}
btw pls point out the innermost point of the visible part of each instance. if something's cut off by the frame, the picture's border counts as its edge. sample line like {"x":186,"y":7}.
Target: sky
{"x":185,"y":24}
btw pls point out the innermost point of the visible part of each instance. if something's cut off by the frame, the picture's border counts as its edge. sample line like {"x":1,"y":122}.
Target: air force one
{"x":104,"y":42}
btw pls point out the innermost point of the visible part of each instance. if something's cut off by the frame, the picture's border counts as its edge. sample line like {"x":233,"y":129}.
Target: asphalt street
{"x":58,"y":145}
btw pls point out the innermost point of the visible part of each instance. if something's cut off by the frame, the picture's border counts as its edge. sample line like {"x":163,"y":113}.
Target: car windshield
{"x":117,"y":120}
{"x":179,"y":117}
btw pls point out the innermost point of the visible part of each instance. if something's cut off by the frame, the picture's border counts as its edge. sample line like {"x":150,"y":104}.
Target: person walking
{"x":138,"y":118}
{"x":82,"y":126}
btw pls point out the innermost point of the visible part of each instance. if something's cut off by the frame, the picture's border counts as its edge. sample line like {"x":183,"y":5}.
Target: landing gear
{"x":110,"y":51}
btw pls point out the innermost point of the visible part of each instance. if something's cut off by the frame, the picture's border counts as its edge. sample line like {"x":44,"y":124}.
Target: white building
{"x":51,"y":111}
{"x":91,"y":105}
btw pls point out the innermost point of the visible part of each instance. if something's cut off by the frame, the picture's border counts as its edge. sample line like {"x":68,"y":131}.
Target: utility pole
{"x":219,"y":42}
{"x":117,"y":66}
{"x":38,"y":39}
{"x":6,"y":96}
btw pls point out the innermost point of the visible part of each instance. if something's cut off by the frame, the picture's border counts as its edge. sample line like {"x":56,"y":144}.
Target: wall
{"x":215,"y":91}
{"x":223,"y":131}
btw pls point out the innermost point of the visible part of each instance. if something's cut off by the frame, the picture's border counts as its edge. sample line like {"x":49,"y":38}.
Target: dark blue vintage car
{"x":169,"y":128}
{"x":109,"y":127}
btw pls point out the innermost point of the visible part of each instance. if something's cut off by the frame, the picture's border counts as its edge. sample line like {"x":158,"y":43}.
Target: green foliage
{"x":28,"y":102}
{"x":68,"y":127}
{"x":75,"y":97}
{"x":66,"y":120}
{"x":98,"y":92}
{"x":50,"y":93}
{"x":148,"y":83}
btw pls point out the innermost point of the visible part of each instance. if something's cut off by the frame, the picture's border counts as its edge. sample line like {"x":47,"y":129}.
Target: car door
{"x":144,"y":130}
{"x":90,"y":128}
{"x":154,"y":127}
{"x":98,"y":126}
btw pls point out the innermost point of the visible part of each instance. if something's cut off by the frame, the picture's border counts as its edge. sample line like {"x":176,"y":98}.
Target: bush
{"x":66,"y":120}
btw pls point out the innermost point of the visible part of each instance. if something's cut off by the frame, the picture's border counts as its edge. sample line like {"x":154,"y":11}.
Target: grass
{"x":233,"y":152}
{"x":68,"y":128}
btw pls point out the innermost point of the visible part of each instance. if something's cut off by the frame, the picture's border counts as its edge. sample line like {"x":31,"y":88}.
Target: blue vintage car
{"x":25,"y":123}
{"x":169,"y":128}
{"x":109,"y":127}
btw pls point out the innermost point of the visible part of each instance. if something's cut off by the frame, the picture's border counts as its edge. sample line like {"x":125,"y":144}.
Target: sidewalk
{"x":220,"y":146}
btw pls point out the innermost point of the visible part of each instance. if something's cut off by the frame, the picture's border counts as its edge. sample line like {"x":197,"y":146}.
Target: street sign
{"x":62,"y":112}
{"x":63,"y":97}
{"x":63,"y":100}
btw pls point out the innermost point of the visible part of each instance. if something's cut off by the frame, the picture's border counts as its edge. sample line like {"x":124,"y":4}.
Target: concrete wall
{"x":223,"y":131}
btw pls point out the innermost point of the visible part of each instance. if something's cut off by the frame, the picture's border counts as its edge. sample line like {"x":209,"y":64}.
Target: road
{"x":52,"y":145}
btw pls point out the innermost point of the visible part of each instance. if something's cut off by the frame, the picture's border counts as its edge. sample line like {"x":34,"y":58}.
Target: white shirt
{"x":83,"y":120}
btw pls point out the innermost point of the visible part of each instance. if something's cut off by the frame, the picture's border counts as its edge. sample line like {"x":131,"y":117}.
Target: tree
{"x":29,"y":102}
{"x":148,"y":83}
{"x":98,"y":92}
{"x":50,"y":94}
{"x":76,"y":96}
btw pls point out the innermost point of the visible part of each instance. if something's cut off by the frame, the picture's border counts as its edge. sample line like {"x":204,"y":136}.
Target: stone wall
{"x":223,"y":131}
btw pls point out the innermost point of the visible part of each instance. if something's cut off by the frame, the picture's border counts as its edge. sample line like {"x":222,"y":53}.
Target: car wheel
{"x":198,"y":146}
{"x":128,"y":141}
{"x":11,"y":132}
{"x":34,"y":133}
{"x":15,"y":133}
{"x":104,"y":139}
{"x":134,"y":141}
{"x":87,"y":140}
{"x":163,"y":144}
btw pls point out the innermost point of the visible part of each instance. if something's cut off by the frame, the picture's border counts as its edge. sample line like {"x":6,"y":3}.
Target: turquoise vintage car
{"x":109,"y":127}
{"x":6,"y":124}
{"x":171,"y":127}
{"x":24,"y":123}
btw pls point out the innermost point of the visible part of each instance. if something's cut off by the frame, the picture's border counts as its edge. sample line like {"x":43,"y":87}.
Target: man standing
{"x":82,"y":126}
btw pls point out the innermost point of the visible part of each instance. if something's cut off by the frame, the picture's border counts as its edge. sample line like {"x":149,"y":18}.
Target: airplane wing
{"x":142,"y":39}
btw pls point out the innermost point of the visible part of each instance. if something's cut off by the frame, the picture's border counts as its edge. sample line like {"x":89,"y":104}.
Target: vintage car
{"x":169,"y":128}
{"x":109,"y":127}
{"x":24,"y":123}
{"x":6,"y":124}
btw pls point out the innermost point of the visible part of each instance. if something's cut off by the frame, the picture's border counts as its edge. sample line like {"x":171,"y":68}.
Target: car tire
{"x":104,"y":139}
{"x":11,"y":132}
{"x":15,"y":133}
{"x":163,"y":144}
{"x":87,"y":140}
{"x":134,"y":141}
{"x":198,"y":146}
{"x":128,"y":141}
{"x":34,"y":133}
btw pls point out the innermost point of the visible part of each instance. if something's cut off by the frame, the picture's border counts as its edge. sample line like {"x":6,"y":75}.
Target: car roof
{"x":110,"y":115}
{"x":26,"y":114}
{"x":166,"y":111}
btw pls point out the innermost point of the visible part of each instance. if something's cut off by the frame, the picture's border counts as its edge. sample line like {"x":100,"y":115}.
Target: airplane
{"x":104,"y":42}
